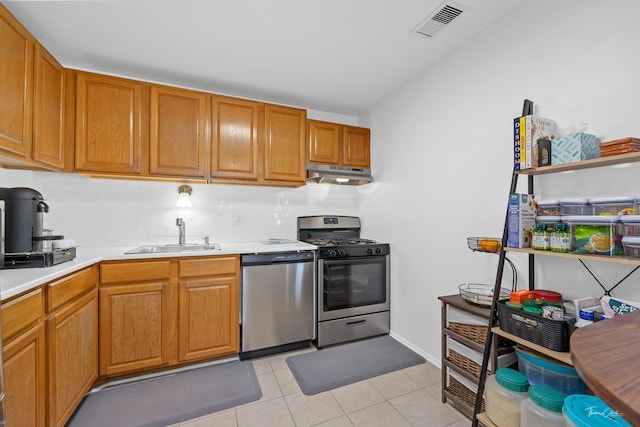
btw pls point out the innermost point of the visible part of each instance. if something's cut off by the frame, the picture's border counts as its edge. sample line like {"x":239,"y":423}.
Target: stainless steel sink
{"x":159,"y":249}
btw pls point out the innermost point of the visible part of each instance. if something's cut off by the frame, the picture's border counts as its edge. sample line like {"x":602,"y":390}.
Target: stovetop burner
{"x":339,"y":242}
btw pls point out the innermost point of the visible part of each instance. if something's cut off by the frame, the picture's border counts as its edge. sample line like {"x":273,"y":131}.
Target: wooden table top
{"x":607,"y":357}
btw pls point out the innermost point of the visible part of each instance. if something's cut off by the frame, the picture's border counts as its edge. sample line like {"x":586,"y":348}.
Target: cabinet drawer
{"x":21,"y":313}
{"x":208,"y":266}
{"x":134,"y":271}
{"x":67,"y":288}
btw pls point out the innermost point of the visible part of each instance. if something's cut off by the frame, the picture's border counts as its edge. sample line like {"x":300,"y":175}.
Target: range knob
{"x":378,"y":251}
{"x":332,"y":252}
{"x":369,"y":251}
{"x":342,"y":252}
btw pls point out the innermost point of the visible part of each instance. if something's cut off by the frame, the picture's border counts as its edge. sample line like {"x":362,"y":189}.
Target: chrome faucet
{"x":181,"y":236}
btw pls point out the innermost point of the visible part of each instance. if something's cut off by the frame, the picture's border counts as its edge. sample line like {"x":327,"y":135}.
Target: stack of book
{"x":530,"y":133}
{"x":619,"y":146}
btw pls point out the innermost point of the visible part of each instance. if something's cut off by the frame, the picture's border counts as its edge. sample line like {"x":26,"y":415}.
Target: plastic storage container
{"x":548,"y":208}
{"x":543,"y":408}
{"x":542,"y":371}
{"x":503,"y":393}
{"x":631,"y":245}
{"x":595,"y":234}
{"x":581,"y":410}
{"x":575,"y":207}
{"x":546,"y":297}
{"x":613,"y":206}
{"x":630,"y":225}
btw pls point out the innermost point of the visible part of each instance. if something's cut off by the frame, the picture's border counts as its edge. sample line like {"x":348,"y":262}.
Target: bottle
{"x":540,"y":238}
{"x":560,"y":241}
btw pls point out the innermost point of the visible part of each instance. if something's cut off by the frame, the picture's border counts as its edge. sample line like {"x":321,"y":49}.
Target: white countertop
{"x":16,"y":281}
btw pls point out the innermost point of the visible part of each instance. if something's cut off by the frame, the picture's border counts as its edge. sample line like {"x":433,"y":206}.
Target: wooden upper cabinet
{"x":235,"y":145}
{"x":356,"y":146}
{"x":16,"y":85}
{"x":179,"y":136}
{"x":335,"y":144}
{"x":284,"y":153}
{"x":48,"y":110}
{"x":110,"y":134}
{"x":324,"y":142}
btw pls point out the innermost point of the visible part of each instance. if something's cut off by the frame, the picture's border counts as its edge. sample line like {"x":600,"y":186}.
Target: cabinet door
{"x":73,"y":356}
{"x":284,"y":154}
{"x":109,"y":136}
{"x":208,"y":317}
{"x":25,"y":378}
{"x":235,"y":147}
{"x":48,"y":110}
{"x":209,"y":299}
{"x":323,"y":142}
{"x":134,"y":327}
{"x":355,"y":146}
{"x":16,"y":85}
{"x":179,"y":139}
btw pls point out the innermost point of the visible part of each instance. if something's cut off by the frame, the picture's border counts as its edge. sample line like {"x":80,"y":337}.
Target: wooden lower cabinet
{"x":73,"y":355}
{"x":24,"y":353}
{"x":163,"y":312}
{"x":208,"y":308}
{"x":25,"y":378}
{"x":135,"y":323}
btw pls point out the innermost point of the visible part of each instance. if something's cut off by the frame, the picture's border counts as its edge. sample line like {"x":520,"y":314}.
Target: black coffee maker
{"x":24,"y":210}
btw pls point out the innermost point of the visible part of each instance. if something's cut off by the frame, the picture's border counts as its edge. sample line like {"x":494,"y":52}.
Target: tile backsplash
{"x":110,"y":212}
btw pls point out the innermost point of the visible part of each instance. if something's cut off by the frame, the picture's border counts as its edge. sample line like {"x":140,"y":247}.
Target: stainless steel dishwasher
{"x":277,"y":302}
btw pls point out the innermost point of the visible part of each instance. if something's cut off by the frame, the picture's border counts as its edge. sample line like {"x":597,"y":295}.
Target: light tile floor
{"x":405,"y":398}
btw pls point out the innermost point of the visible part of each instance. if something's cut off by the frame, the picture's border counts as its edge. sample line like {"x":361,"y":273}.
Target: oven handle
{"x":357,"y":322}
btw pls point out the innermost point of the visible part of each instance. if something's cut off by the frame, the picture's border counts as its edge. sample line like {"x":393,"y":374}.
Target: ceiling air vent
{"x":439,"y":18}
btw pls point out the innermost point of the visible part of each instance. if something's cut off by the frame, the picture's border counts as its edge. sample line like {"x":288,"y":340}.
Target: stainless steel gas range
{"x":352,"y":279}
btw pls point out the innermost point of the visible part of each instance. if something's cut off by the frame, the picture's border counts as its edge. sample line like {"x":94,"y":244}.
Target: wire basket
{"x":479,"y":294}
{"x":485,"y":244}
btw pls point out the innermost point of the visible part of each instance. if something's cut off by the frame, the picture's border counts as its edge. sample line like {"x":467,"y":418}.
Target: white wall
{"x":442,"y":154}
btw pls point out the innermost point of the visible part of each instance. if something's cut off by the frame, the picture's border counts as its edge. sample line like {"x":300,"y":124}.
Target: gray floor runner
{"x":344,"y":364}
{"x":171,"y":399}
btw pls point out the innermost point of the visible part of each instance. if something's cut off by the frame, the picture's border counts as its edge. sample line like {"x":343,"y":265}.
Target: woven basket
{"x":463,"y":393}
{"x":473,"y":332}
{"x":465,"y":363}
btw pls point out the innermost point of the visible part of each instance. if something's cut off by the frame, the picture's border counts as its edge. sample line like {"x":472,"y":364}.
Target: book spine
{"x":529,"y":142}
{"x":523,"y":143}
{"x":516,"y":143}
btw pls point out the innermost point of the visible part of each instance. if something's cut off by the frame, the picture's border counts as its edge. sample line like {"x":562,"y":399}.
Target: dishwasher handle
{"x":277,"y":258}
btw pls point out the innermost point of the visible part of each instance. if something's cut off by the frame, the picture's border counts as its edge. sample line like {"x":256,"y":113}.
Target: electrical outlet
{"x":236,"y":219}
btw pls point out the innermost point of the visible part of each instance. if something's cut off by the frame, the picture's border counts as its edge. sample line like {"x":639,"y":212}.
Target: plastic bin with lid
{"x":543,"y":408}
{"x":595,"y":234}
{"x":631,"y":245}
{"x":503,"y":393}
{"x":575,"y":207}
{"x":540,"y":370}
{"x":547,"y":208}
{"x":630,"y":225}
{"x":581,"y":410}
{"x":612,"y":206}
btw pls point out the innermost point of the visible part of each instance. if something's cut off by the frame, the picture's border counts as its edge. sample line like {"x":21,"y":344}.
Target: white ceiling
{"x":339,"y":56}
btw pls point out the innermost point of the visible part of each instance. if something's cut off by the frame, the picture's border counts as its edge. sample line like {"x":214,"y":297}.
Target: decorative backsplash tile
{"x":109,"y":212}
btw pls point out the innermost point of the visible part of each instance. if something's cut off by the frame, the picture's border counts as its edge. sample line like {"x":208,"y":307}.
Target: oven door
{"x":352,"y":286}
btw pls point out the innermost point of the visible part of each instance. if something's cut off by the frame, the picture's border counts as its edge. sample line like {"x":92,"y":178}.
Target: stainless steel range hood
{"x":343,"y":175}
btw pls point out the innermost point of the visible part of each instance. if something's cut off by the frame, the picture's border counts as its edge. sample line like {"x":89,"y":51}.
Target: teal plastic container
{"x":582,"y":410}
